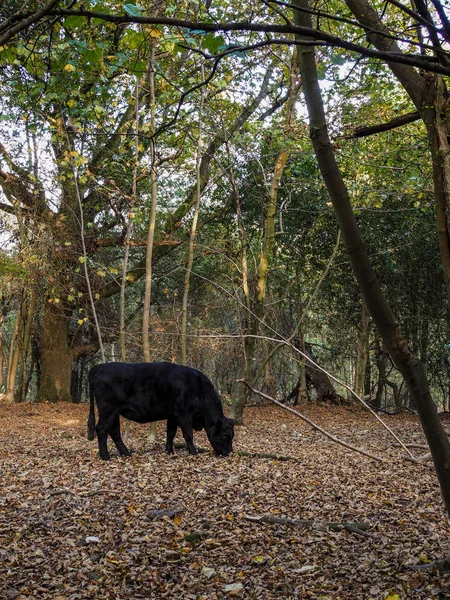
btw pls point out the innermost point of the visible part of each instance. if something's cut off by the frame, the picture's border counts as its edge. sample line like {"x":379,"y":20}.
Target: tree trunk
{"x":14,"y":355}
{"x":409,"y":366}
{"x":362,"y":352}
{"x":191,"y":251}
{"x":21,"y":378}
{"x":151,"y":229}
{"x":56,"y":356}
{"x":256,"y":317}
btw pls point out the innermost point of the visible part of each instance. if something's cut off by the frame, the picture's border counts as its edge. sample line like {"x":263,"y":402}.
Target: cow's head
{"x":221,"y":436}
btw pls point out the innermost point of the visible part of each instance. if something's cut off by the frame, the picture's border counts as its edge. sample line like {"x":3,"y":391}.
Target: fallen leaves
{"x":152,"y":526}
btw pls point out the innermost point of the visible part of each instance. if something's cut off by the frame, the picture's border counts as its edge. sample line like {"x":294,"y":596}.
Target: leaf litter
{"x":155,"y":526}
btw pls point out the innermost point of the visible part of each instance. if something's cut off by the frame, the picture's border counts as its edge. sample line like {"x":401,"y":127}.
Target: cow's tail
{"x":91,"y":419}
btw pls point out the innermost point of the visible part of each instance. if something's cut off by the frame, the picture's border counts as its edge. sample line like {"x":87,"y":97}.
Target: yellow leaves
{"x":70,"y":68}
{"x":153,"y":32}
{"x":424,"y":558}
{"x":113,"y":270}
{"x":258,"y":559}
{"x":101,"y":273}
{"x":177,"y":519}
{"x":392,"y":597}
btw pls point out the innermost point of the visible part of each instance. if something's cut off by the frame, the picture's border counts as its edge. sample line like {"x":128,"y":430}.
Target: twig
{"x":314,"y":425}
{"x":63,"y":491}
{"x":82,"y":494}
{"x":439,"y":565}
{"x":421,"y":460}
{"x":357,"y":527}
{"x":266,"y":455}
{"x":244,"y":453}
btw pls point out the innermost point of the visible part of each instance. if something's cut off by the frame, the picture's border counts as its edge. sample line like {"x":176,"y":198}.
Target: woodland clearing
{"x":153,"y":526}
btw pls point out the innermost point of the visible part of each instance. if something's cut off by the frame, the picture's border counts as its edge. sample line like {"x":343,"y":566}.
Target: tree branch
{"x":357,"y":527}
{"x":392,"y":124}
{"x":26,"y":22}
{"x":422,"y":62}
{"x":313,"y":425}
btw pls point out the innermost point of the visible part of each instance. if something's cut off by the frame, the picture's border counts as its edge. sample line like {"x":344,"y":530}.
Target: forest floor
{"x":153,"y":526}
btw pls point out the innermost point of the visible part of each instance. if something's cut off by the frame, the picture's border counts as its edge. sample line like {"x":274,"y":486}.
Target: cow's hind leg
{"x":117,"y":438}
{"x":171,"y":431}
{"x":186,"y":428}
{"x":102,"y":435}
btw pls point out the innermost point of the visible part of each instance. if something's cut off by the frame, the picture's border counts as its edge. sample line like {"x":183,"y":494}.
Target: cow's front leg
{"x":102,"y":435}
{"x":117,"y":438}
{"x":171,"y":431}
{"x":186,"y":428}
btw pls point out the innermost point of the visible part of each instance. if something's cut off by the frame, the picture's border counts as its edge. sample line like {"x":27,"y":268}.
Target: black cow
{"x":145,"y":392}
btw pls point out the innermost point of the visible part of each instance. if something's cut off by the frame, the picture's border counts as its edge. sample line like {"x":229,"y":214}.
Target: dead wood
{"x":420,"y":460}
{"x":166,"y":512}
{"x":314,"y":425}
{"x":266,"y":455}
{"x":357,"y":527}
{"x":437,"y":565}
{"x":279,"y":457}
{"x":82,"y":494}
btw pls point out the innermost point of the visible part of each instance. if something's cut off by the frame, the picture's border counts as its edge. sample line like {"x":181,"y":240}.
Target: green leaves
{"x":213,"y":43}
{"x":133,"y":10}
{"x":74,"y":22}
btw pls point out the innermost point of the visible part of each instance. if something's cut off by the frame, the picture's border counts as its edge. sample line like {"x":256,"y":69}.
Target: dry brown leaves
{"x":152,"y":526}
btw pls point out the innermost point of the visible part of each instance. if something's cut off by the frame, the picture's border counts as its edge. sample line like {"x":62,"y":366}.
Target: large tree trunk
{"x":409,"y":366}
{"x":56,"y":356}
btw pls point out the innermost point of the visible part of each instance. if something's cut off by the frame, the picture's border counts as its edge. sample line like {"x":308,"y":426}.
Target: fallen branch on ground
{"x":266,"y":455}
{"x":314,"y":425}
{"x":438,"y":565}
{"x":421,"y":460}
{"x":418,"y":446}
{"x":357,"y":527}
{"x":82,"y":494}
{"x":244,"y":453}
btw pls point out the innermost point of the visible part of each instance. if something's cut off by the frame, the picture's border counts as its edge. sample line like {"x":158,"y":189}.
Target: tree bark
{"x":14,"y":355}
{"x":362,"y":353}
{"x":409,"y":366}
{"x":56,"y":356}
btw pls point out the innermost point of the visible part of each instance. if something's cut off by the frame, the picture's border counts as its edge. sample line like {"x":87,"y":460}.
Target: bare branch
{"x":373,"y":129}
{"x":314,"y":425}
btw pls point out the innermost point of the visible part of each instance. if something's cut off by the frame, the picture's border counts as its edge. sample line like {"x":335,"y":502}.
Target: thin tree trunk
{"x":362,"y":351}
{"x":151,"y":228}
{"x":409,"y":366}
{"x":20,"y":394}
{"x":14,"y":355}
{"x":190,"y":260}
{"x":123,"y":351}
{"x":256,"y":317}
